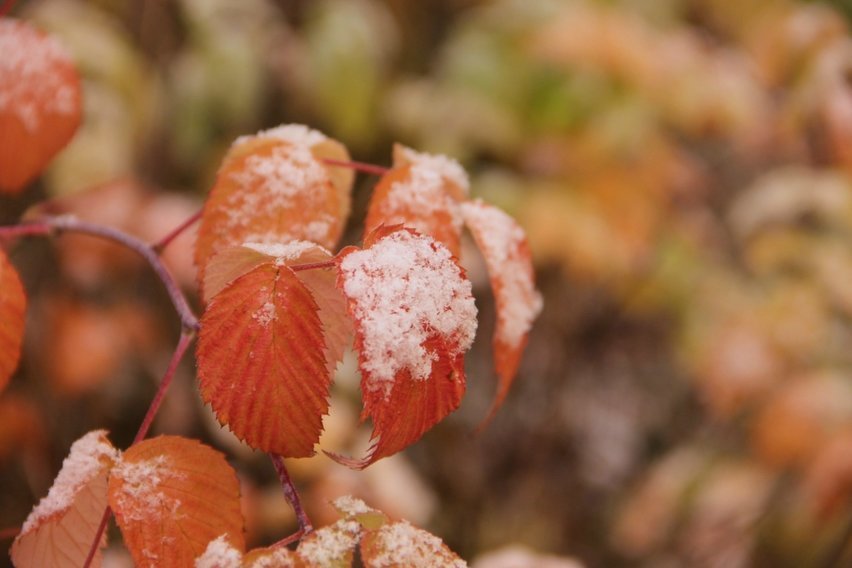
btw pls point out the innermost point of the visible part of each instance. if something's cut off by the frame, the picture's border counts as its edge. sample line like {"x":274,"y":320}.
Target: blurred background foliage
{"x":683,"y":169}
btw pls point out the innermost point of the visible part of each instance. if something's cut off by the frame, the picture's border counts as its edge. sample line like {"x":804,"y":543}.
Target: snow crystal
{"x":29,"y":83}
{"x":296,"y":134}
{"x":84,"y":463}
{"x":440,"y":165}
{"x":139,"y":498}
{"x":331,"y":543}
{"x":406,"y":288}
{"x":402,"y":544}
{"x":499,"y":237}
{"x":219,"y":554}
{"x":350,"y":506}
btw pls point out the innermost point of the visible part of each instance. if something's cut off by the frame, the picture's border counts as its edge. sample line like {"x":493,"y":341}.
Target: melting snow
{"x":140,"y":498}
{"x":265,"y":315}
{"x":501,"y":238}
{"x":405,"y":288}
{"x":29,"y":82}
{"x":84,"y":463}
{"x":283,"y":252}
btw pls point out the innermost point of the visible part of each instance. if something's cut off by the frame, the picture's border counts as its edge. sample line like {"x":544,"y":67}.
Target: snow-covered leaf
{"x":60,"y":529}
{"x":422,"y":192}
{"x":171,"y":497}
{"x":507,"y":255}
{"x":272,"y":188}
{"x":401,"y":544}
{"x":414,"y":320}
{"x":330,"y":547}
{"x":40,"y":102}
{"x":262,"y":359}
{"x":13,"y":305}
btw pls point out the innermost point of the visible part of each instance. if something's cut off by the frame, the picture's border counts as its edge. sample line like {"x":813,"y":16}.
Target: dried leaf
{"x":171,"y":497}
{"x":13,"y":305}
{"x":262,"y":361}
{"x":40,"y":102}
{"x":507,"y":255}
{"x":401,"y":544}
{"x":421,"y":192}
{"x":414,"y":319}
{"x":60,"y":529}
{"x":272,"y":188}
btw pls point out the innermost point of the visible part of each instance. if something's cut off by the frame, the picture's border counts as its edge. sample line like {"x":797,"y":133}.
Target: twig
{"x":164,"y":242}
{"x":292,"y":495}
{"x":363,"y":167}
{"x":9,"y":532}
{"x":311,"y":265}
{"x":59,"y":224}
{"x":98,"y":535}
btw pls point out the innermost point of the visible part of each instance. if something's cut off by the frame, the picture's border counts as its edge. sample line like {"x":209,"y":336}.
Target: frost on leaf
{"x":40,"y":102}
{"x":507,"y":255}
{"x":414,"y":319}
{"x":262,"y":360}
{"x":171,"y":496}
{"x":401,"y":544}
{"x":60,"y":529}
{"x":422,"y":192}
{"x":332,"y":546}
{"x":273,"y":188}
{"x":13,"y":305}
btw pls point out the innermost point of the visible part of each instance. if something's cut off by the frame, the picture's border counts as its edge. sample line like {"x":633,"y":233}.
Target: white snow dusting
{"x":140,"y":497}
{"x":350,"y":506}
{"x":402,"y":544}
{"x":84,"y":462}
{"x":283,"y":252}
{"x":219,"y":554}
{"x":440,"y":165}
{"x":296,"y":134}
{"x":404,"y":289}
{"x":330,"y":544}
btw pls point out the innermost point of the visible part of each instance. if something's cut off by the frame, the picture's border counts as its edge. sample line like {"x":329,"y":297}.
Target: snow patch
{"x":140,"y":497}
{"x":329,"y":545}
{"x":219,"y":554}
{"x":296,"y":134}
{"x":402,"y":544}
{"x":350,"y":506}
{"x":404,"y":289}
{"x":440,"y":165}
{"x":283,"y":252}
{"x":85,"y":461}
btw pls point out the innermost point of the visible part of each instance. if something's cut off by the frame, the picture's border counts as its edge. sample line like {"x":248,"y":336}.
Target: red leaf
{"x":41,"y":102}
{"x":507,"y":255}
{"x":60,"y":529}
{"x":414,"y":319}
{"x":262,"y":361}
{"x":171,"y":497}
{"x":422,"y":192}
{"x":13,"y":305}
{"x":273,"y":188}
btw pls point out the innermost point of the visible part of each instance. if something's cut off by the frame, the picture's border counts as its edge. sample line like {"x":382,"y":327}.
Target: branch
{"x":292,"y":496}
{"x":51,"y":225}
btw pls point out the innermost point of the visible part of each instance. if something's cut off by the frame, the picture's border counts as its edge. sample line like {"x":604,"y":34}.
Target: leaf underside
{"x":13,"y":304}
{"x":262,"y":361}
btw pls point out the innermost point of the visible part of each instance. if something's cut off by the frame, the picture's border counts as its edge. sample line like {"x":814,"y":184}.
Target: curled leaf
{"x":414,"y":320}
{"x":171,"y":496}
{"x":262,"y":360}
{"x":507,"y":255}
{"x":13,"y":305}
{"x":273,"y":188}
{"x":40,"y":102}
{"x":422,"y":192}
{"x":60,"y":529}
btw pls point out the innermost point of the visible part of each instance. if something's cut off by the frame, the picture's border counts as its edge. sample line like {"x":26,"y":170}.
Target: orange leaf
{"x":171,"y":497}
{"x":271,"y":188}
{"x":60,"y":529}
{"x":401,"y":544}
{"x":414,"y":319}
{"x":422,"y":192}
{"x":40,"y":102}
{"x":507,"y":255}
{"x":261,"y":361}
{"x":13,"y":305}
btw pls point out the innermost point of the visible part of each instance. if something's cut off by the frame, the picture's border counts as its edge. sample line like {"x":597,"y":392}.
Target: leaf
{"x":272,"y":188}
{"x":401,"y":544}
{"x":414,"y":319}
{"x":507,"y":255}
{"x":262,"y":361}
{"x":60,"y":529}
{"x":13,"y":306}
{"x":40,"y":102}
{"x":332,"y":546}
{"x":422,"y":192}
{"x":171,"y":496}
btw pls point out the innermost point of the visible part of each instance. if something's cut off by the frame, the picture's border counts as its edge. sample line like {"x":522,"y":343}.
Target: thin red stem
{"x":292,"y":495}
{"x":6,"y":7}
{"x":164,"y":242}
{"x":98,"y":535}
{"x":363,"y":167}
{"x":9,"y":532}
{"x":312,"y":265}
{"x":290,"y":539}
{"x":59,"y":224}
{"x":177,"y":356}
